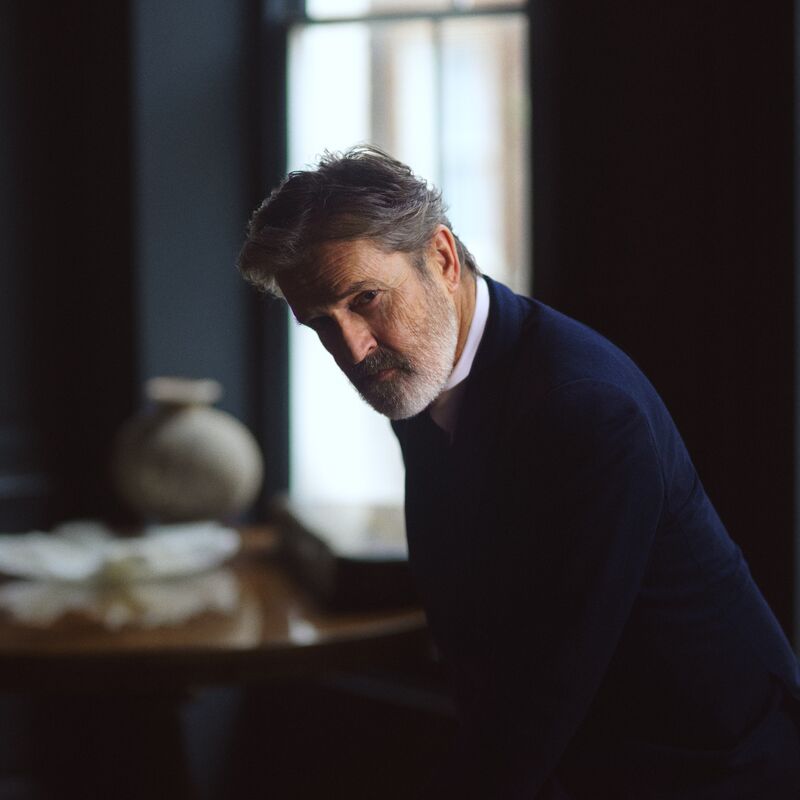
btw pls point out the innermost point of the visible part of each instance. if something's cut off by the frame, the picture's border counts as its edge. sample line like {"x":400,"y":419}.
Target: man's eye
{"x":365,"y":298}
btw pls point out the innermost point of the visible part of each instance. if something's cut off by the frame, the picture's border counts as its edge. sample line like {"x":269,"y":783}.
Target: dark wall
{"x":208,"y":80}
{"x":797,"y":306}
{"x":664,"y":218}
{"x":129,"y":160}
{"x":22,"y":479}
{"x":67,"y":332}
{"x":190,"y":117}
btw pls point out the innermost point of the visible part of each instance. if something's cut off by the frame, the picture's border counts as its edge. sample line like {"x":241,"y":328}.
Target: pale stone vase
{"x":184,"y":460}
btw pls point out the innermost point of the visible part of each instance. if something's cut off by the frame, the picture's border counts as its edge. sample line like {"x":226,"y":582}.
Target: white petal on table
{"x":83,"y":551}
{"x":153,"y":604}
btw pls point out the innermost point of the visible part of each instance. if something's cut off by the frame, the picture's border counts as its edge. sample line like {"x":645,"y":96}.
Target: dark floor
{"x":349,"y":736}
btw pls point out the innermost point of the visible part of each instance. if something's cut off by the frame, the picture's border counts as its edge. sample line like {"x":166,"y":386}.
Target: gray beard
{"x":419,"y":379}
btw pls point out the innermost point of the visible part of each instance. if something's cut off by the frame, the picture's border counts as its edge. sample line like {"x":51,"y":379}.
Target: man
{"x":603,"y":633}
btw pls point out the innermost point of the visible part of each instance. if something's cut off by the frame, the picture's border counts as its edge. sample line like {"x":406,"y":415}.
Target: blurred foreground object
{"x":183,"y":460}
{"x":165,"y":576}
{"x":349,"y":556}
{"x":142,"y":604}
{"x":88,"y":551}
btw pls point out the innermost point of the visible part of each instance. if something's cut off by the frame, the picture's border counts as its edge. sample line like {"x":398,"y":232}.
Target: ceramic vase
{"x":182,"y":459}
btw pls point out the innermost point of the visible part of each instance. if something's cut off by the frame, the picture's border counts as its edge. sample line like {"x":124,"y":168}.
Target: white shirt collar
{"x":444,"y":408}
{"x":464,"y":364}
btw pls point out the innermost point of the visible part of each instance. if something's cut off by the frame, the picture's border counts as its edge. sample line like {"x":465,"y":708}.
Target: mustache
{"x":377,"y":361}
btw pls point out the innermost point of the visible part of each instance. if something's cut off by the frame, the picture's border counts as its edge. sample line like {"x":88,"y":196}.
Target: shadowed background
{"x":136,"y":137}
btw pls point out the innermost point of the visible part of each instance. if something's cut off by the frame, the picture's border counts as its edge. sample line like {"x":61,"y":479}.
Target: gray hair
{"x":362,"y":193}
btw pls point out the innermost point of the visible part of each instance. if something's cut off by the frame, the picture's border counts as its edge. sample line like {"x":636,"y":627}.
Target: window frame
{"x":272,"y":343}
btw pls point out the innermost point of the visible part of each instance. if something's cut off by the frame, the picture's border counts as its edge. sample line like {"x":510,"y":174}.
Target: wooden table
{"x":136,"y":679}
{"x":274,"y":629}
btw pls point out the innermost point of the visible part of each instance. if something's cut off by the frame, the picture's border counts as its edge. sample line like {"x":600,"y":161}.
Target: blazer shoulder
{"x":556,"y":351}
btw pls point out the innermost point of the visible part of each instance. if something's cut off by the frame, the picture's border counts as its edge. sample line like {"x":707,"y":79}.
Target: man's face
{"x":392,"y":330}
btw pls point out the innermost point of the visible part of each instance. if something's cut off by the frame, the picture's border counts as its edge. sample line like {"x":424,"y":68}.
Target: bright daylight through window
{"x":443,"y":87}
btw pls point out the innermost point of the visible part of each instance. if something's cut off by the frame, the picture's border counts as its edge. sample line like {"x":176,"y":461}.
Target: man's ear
{"x":445,"y":255}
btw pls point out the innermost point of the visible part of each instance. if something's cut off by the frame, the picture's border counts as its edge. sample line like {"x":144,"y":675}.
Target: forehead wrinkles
{"x":329,"y":266}
{"x":344,"y":260}
{"x":336,"y":267}
{"x":316,"y":282}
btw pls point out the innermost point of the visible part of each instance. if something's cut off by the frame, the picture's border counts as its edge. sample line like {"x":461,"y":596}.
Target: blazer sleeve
{"x":582,"y":497}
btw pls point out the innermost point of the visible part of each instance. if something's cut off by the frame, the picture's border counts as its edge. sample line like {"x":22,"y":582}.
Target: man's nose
{"x":356,"y":340}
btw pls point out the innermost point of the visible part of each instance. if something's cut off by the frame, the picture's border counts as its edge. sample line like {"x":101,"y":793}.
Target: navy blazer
{"x":603,"y":632}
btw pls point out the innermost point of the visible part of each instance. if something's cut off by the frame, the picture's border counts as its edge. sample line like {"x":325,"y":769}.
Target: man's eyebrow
{"x":352,"y":288}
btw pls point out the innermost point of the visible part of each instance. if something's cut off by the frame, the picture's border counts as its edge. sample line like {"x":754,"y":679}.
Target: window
{"x":441,"y":85}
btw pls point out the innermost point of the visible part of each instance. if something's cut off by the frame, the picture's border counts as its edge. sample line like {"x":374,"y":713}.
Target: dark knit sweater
{"x":603,"y":633}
